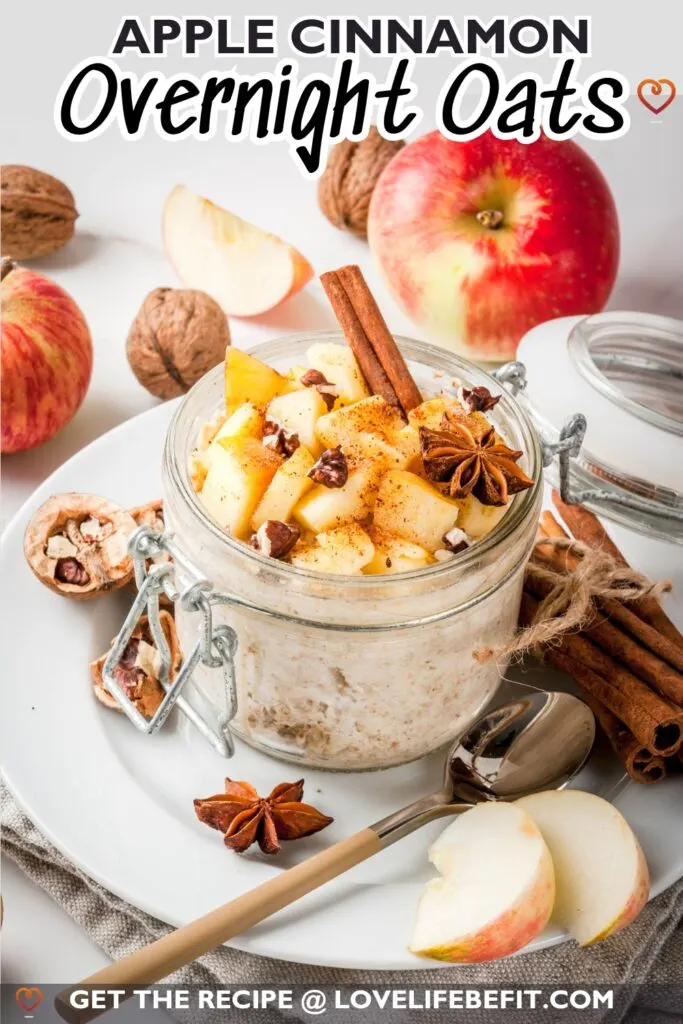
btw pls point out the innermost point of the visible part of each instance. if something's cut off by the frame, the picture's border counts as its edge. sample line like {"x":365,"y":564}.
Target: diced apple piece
{"x":496,"y":891}
{"x":247,"y":379}
{"x":393,"y":554}
{"x":246,"y":421}
{"x":431,"y":412}
{"x":287,"y":487}
{"x":411,"y":508}
{"x":240,"y":471}
{"x":344,"y":551}
{"x":324,"y":508}
{"x":601,"y":873}
{"x":476,"y":519}
{"x":298,"y":413}
{"x":245,"y":269}
{"x":370,"y":416}
{"x":338,"y":365}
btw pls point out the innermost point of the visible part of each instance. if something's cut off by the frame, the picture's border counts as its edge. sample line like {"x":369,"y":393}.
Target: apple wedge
{"x":245,"y":269}
{"x":600,"y":870}
{"x":496,"y":889}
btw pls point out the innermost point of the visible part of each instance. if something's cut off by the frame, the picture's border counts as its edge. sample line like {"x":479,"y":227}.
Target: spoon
{"x":538,"y":741}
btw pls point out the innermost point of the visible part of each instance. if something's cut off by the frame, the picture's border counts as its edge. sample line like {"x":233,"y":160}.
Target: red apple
{"x":46,"y":358}
{"x":481,"y":240}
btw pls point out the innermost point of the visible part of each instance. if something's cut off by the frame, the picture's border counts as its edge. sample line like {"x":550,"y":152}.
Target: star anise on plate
{"x":472,"y":462}
{"x":245,"y":817}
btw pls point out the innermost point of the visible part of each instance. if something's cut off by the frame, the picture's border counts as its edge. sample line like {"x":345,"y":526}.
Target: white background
{"x":116,"y":257}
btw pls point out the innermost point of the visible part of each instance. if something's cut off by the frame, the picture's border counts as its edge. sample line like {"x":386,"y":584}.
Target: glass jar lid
{"x":621,"y":372}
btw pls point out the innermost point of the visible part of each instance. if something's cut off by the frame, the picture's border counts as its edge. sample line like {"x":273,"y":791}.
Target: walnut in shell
{"x":178,"y":335}
{"x":347,"y":183}
{"x":76,"y":544}
{"x":38,"y":213}
{"x":139,"y":667}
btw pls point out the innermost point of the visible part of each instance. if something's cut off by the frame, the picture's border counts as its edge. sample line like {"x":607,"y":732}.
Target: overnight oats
{"x":375,"y":547}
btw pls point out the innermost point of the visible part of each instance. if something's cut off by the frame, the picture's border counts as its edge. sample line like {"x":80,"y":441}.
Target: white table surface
{"x":116,"y":258}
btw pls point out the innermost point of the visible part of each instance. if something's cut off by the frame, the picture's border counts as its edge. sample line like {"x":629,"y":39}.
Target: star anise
{"x":475,"y":463}
{"x":246,"y":818}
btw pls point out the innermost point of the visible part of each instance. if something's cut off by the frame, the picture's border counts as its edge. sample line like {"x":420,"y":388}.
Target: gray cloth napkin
{"x":649,"y":951}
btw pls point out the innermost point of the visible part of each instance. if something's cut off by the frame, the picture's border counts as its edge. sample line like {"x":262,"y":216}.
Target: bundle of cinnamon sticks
{"x":627,"y":659}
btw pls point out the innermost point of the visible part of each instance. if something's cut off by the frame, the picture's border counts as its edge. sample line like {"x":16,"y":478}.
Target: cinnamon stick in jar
{"x":369,"y":338}
{"x":586,"y":527}
{"x":358,"y":342}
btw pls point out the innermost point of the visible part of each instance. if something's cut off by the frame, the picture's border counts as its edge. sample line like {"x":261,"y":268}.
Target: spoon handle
{"x":181,"y":947}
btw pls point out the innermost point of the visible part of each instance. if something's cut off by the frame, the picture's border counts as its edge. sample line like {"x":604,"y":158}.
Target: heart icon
{"x":28,"y":998}
{"x":656,"y":89}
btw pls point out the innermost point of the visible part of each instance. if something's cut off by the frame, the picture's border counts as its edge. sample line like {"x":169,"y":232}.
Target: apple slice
{"x":496,"y":891}
{"x":600,"y":869}
{"x":245,"y":269}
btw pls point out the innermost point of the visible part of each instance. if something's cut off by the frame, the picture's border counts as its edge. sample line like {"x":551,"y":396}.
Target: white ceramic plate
{"x":119,"y":804}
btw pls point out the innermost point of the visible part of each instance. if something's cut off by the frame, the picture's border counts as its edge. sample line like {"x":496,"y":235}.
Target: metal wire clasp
{"x":568,"y":444}
{"x":155,"y":561}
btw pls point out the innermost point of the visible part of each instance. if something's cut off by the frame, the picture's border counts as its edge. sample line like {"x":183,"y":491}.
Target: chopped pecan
{"x":275,"y":539}
{"x":331,"y":469}
{"x":245,"y":818}
{"x":77,"y":545}
{"x":280,"y":440}
{"x":328,"y":392}
{"x":139,"y":667}
{"x":455,"y":540}
{"x":152,"y":515}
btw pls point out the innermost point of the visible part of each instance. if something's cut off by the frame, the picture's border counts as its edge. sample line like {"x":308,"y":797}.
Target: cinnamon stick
{"x":358,"y":341}
{"x":367,"y":333}
{"x":653,"y":721}
{"x":641,"y":763}
{"x":587,"y":527}
{"x":648,"y":657}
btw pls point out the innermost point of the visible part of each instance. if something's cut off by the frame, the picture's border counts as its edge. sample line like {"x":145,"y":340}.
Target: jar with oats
{"x":350,"y":673}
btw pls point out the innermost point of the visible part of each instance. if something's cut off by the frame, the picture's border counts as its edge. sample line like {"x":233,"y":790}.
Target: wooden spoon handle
{"x":181,"y":947}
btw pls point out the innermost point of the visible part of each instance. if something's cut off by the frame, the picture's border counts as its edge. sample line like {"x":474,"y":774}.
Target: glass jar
{"x":354,"y":672}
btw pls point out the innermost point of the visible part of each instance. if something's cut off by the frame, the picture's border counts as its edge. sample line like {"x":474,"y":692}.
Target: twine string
{"x":570,"y":603}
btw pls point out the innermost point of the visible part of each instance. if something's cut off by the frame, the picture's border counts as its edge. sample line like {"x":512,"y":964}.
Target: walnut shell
{"x":38,"y":213}
{"x":143,"y":688}
{"x":77,"y":545}
{"x":152,"y":514}
{"x":347,"y":183}
{"x":178,"y":335}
